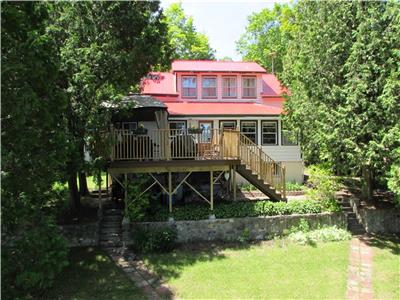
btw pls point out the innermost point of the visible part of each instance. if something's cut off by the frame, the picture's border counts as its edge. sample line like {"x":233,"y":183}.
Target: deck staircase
{"x":261,"y":170}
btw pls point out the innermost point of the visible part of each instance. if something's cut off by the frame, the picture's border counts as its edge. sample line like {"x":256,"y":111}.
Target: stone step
{"x":113,"y":211}
{"x":110,"y":244}
{"x":111,"y":230}
{"x":111,"y":225}
{"x":112,"y":219}
{"x":110,"y":237}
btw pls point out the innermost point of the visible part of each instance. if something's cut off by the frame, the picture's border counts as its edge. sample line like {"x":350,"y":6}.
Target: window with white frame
{"x":269,"y":132}
{"x":189,"y":86}
{"x":209,"y":87}
{"x":249,"y":129}
{"x":129,"y":126}
{"x":229,"y":87}
{"x":249,"y":87}
{"x":227,"y":125}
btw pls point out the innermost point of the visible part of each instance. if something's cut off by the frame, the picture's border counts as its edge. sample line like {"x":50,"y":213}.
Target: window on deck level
{"x":189,"y":86}
{"x":249,"y":129}
{"x":209,"y":87}
{"x":288,"y":138}
{"x":269,"y":132}
{"x":249,"y":87}
{"x":229,"y":87}
{"x":227,"y":125}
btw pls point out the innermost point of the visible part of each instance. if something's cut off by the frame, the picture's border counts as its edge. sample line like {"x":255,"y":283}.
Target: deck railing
{"x":166,"y":144}
{"x":175,"y":144}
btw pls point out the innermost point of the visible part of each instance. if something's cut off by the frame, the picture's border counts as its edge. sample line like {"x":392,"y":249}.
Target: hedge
{"x":199,"y":211}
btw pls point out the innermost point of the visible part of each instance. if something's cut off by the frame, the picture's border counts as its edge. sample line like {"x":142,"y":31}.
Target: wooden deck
{"x":162,"y":166}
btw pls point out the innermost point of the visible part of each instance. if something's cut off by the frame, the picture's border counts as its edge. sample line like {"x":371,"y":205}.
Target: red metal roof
{"x":216,"y":66}
{"x":159,"y":83}
{"x":224,"y":108}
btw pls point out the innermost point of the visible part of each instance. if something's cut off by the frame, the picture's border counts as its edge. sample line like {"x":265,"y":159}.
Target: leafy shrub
{"x":324,"y":186}
{"x":161,"y":240}
{"x":303,"y":235}
{"x":200,"y":211}
{"x":394,"y":182}
{"x":30,"y":264}
{"x":294,"y":186}
{"x":138,"y":205}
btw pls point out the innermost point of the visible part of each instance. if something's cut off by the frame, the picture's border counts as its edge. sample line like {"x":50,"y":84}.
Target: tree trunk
{"x":75,"y":199}
{"x":367,"y":183}
{"x":83,"y":187}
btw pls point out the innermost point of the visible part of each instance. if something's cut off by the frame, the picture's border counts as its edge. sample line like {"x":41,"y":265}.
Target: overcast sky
{"x":222,"y":21}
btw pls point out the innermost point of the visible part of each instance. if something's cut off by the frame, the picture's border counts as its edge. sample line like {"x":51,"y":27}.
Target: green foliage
{"x":31,"y":261}
{"x":294,"y":186}
{"x":324,"y":184}
{"x":138,"y":205}
{"x":394,"y":181}
{"x":237,"y":210}
{"x":344,"y":83}
{"x":148,"y":241}
{"x":267,"y":36}
{"x":303,"y":235}
{"x":247,"y":187}
{"x":183,"y":37}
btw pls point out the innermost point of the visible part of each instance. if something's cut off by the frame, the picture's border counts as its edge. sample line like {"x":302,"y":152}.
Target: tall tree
{"x":107,"y":47}
{"x":33,"y":127}
{"x":267,"y":36}
{"x":344,"y":84}
{"x":183,"y":36}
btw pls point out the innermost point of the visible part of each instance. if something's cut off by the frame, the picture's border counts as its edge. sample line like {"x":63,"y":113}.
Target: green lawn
{"x":269,"y":270}
{"x":92,"y":275}
{"x":386,"y":268}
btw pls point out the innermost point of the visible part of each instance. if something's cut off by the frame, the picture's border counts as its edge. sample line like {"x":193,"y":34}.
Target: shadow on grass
{"x":92,"y":275}
{"x":391,"y":242}
{"x":171,"y":265}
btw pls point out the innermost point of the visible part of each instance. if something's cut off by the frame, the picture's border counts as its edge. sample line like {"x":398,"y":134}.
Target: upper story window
{"x":209,"y":87}
{"x":189,"y":86}
{"x":229,"y":87}
{"x":249,"y":87}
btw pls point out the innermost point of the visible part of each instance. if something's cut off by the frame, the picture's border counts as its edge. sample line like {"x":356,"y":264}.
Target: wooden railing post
{"x":284,"y":182}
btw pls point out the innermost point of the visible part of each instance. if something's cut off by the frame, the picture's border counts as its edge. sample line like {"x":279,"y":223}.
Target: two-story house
{"x":228,"y":95}
{"x":204,"y":120}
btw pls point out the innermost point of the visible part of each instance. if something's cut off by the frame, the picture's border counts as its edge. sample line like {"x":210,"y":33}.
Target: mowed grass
{"x":270,"y":270}
{"x":386,"y":268}
{"x":92,"y":275}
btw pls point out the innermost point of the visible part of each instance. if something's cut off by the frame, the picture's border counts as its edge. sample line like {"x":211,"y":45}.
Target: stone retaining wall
{"x":256,"y":228}
{"x":376,"y":220}
{"x":81,"y":235}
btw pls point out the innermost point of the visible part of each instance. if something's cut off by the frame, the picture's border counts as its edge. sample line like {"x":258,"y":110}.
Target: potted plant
{"x":140,"y":130}
{"x":193,"y":130}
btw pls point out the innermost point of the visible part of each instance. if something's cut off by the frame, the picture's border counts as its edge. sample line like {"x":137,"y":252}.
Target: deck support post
{"x":170,"y":191}
{"x":212,"y":190}
{"x":234,"y":183}
{"x":100,"y":211}
{"x":107,"y":183}
{"x":126,"y":193}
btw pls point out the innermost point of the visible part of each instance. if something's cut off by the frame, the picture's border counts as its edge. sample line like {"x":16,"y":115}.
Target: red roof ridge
{"x":216,"y":61}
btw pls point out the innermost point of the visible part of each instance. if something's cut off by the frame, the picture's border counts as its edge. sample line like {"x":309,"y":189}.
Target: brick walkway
{"x":359,"y":283}
{"x":151,"y":285}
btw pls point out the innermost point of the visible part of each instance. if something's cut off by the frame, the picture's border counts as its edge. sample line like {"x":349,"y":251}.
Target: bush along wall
{"x":201,"y":211}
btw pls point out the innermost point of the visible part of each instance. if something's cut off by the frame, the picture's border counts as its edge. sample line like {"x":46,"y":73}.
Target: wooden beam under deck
{"x":123,"y":167}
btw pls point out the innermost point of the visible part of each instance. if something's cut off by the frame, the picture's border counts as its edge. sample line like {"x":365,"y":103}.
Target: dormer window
{"x":249,"y":87}
{"x":189,"y":86}
{"x":229,"y":87}
{"x":209,"y":87}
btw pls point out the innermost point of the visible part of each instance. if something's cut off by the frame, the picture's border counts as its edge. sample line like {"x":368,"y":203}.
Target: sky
{"x":222,"y":21}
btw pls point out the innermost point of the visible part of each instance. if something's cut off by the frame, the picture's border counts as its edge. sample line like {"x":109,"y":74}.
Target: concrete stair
{"x":254,"y":179}
{"x":111,"y":226}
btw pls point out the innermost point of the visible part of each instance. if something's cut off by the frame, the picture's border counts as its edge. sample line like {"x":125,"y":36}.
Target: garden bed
{"x":239,"y":209}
